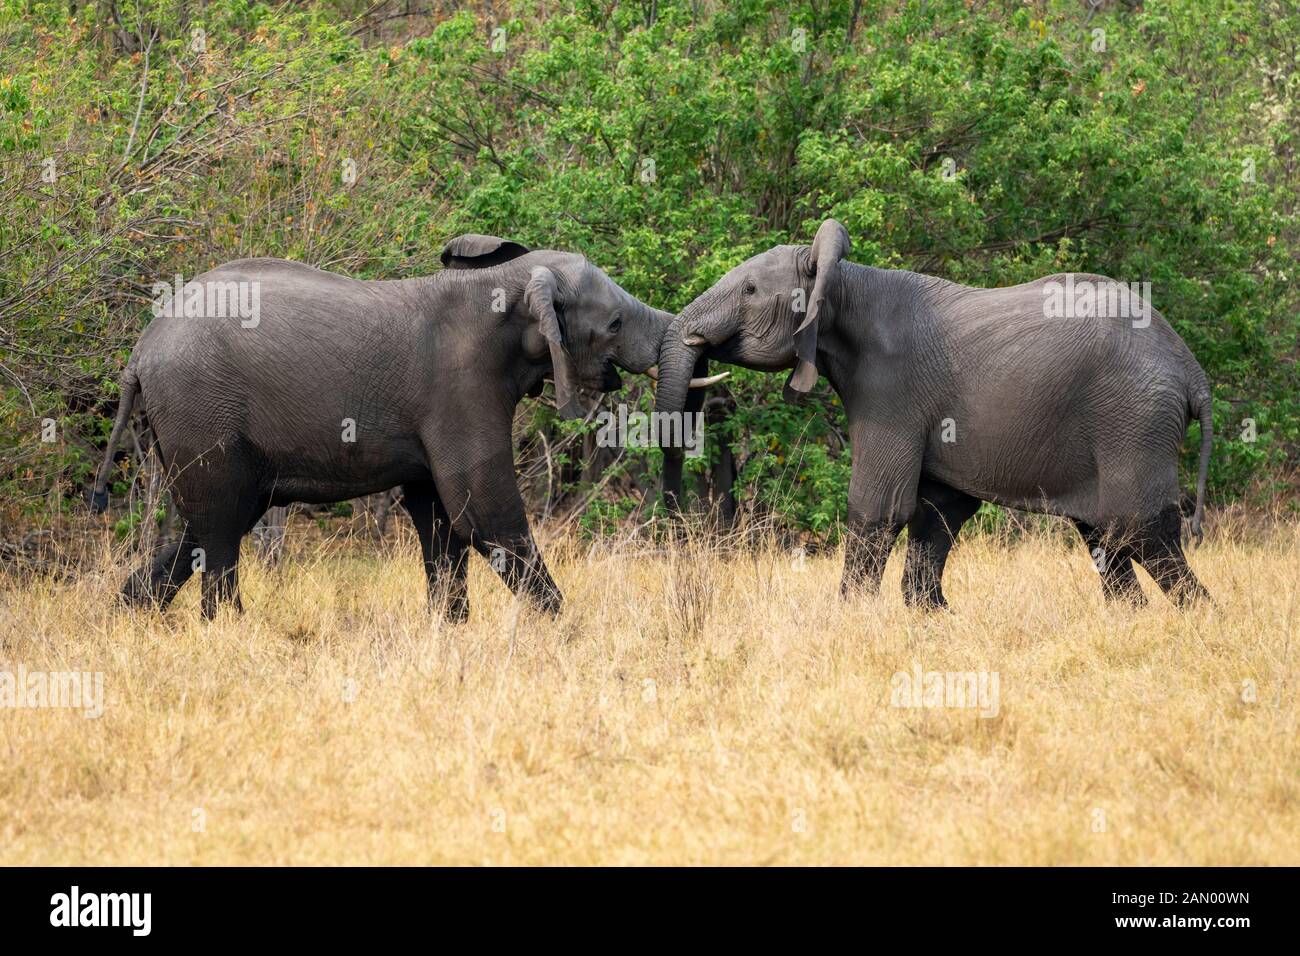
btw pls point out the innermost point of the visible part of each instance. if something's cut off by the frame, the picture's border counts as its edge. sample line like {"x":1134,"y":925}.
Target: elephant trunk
{"x":677,"y":363}
{"x":706,"y":321}
{"x":676,"y":366}
{"x":642,"y":350}
{"x":681,"y":356}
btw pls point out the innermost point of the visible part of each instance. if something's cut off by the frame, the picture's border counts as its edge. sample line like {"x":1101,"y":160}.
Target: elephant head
{"x":590,"y":325}
{"x":763,"y":314}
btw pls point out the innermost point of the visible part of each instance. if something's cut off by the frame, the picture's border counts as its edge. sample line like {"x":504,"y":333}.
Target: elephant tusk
{"x":711,"y":380}
{"x":653,"y":372}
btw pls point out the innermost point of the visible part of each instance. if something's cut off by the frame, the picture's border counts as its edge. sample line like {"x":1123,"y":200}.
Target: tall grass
{"x":696,"y":702}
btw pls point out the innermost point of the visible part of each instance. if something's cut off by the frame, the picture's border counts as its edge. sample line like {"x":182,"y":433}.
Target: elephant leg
{"x":866,"y":551}
{"x":157,"y":583}
{"x":221,"y":574}
{"x":1160,"y":550}
{"x":882,"y":498}
{"x":1113,"y":560}
{"x":478,"y":489}
{"x":446,"y":560}
{"x":940,"y":513}
{"x":220,"y":502}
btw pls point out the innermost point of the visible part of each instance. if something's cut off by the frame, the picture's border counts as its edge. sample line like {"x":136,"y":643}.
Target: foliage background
{"x":667,"y":140}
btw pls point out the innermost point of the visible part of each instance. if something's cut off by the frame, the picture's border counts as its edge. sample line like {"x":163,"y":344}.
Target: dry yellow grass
{"x":338,"y":722}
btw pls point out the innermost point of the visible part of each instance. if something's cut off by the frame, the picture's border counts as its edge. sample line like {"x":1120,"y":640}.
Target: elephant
{"x":337,"y":388}
{"x":956,"y":395}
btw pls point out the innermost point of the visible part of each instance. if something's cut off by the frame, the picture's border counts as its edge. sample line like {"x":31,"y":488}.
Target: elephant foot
{"x":923,"y":586}
{"x":850,"y":590}
{"x":142,"y":591}
{"x":450,"y":599}
{"x":1193,"y":594}
{"x":550,"y":604}
{"x":210,"y":609}
{"x":135,"y":591}
{"x":1129,"y":597}
{"x":456,"y":611}
{"x":542,"y":596}
{"x":926,"y":600}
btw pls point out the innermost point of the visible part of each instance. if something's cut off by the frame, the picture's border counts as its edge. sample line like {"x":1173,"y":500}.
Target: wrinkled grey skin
{"x":1081,"y":417}
{"x":249,"y":418}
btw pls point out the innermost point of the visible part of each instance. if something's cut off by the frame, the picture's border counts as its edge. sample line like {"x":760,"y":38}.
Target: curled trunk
{"x":677,"y":362}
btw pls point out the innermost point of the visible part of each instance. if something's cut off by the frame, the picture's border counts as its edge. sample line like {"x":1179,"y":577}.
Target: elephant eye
{"x":749,"y":288}
{"x":615,"y":325}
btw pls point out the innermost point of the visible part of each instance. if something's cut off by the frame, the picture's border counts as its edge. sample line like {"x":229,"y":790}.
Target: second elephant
{"x":956,"y":395}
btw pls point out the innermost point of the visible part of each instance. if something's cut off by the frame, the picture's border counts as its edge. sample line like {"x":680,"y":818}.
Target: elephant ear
{"x":472,"y":251}
{"x":540,"y":296}
{"x":829,"y":248}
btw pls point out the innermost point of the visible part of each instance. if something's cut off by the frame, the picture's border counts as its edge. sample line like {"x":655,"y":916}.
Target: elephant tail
{"x":129,"y":389}
{"x":1202,"y":406}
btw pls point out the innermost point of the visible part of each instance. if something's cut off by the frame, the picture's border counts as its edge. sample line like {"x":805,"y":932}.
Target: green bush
{"x":668,"y":142}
